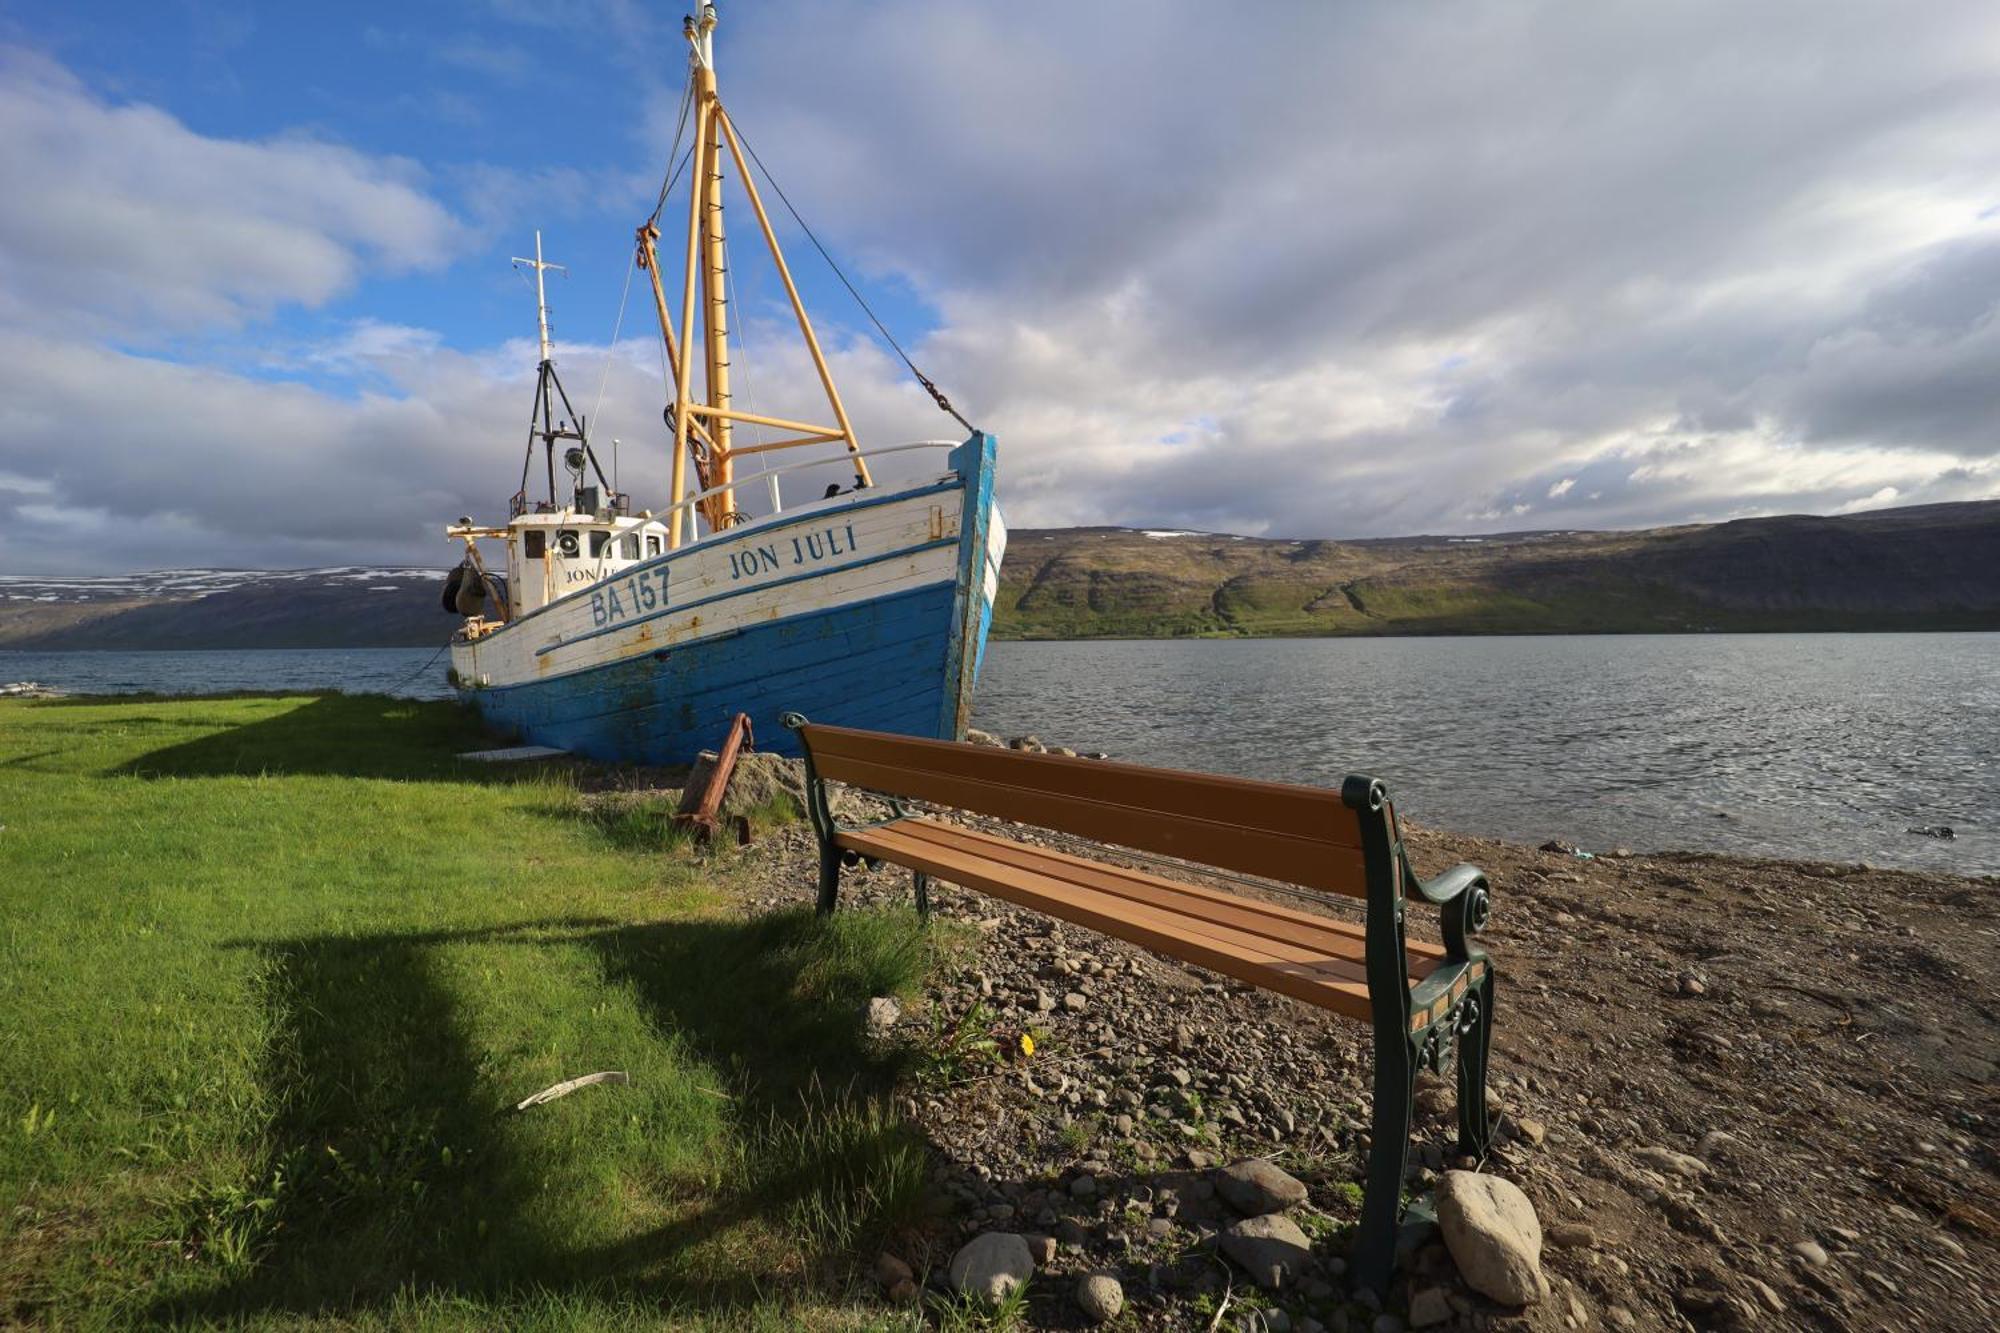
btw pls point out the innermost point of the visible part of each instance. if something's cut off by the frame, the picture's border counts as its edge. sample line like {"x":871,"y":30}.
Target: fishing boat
{"x":638,"y":635}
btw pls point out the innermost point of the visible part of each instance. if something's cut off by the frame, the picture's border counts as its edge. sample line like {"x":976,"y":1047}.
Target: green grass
{"x":273,"y":973}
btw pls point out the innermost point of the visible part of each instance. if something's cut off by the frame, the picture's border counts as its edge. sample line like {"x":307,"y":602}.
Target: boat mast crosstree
{"x":639,"y":636}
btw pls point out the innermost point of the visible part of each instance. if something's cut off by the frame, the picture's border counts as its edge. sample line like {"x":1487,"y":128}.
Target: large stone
{"x":761,"y":779}
{"x":1254,"y":1187}
{"x":1270,"y":1248}
{"x":1100,"y":1297}
{"x":1493,"y":1235}
{"x":991,"y":1266}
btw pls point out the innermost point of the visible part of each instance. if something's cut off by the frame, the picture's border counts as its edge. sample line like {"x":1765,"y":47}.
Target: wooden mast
{"x":715,"y":262}
{"x":712,"y":421}
{"x":683,"y":399}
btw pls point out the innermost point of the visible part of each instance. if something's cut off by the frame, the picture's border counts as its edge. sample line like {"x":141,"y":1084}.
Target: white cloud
{"x":1310,"y":271}
{"x":122,"y":212}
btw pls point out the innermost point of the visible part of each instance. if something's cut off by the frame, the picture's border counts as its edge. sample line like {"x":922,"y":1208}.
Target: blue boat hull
{"x":878,"y":665}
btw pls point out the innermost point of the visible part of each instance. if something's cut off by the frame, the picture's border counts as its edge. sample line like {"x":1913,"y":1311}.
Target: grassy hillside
{"x":1921,"y":568}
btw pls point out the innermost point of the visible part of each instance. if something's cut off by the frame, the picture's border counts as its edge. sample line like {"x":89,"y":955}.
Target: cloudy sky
{"x":1288,"y":269}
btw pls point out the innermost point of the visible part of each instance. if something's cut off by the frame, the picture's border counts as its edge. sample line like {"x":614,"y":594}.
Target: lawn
{"x":274,"y":971}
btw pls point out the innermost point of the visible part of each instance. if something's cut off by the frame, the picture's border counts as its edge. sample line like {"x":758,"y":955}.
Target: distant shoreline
{"x":1927,"y":569}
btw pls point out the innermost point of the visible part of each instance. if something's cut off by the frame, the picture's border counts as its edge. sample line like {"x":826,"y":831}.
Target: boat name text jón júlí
{"x":804,"y":549}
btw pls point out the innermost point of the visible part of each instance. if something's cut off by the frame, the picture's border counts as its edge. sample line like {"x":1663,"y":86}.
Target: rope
{"x":739,"y":329}
{"x":937,"y":395}
{"x":616,"y":326}
{"x":420,"y":670}
{"x":674,"y":174}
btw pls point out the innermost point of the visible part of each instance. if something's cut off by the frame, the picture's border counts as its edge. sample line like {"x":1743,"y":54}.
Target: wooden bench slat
{"x":1296,"y":811}
{"x":1335,"y":963}
{"x":1279,"y":856}
{"x":1271,"y":920}
{"x":1324,"y":981}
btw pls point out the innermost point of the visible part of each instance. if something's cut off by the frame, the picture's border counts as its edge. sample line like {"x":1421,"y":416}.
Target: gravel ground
{"x":1738,"y":1092}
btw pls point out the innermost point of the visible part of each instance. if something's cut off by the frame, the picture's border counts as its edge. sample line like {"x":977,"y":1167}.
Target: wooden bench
{"x":1424,"y":1001}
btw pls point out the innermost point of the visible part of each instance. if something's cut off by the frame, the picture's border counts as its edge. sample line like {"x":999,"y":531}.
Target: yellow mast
{"x":715,"y":259}
{"x":712,"y":422}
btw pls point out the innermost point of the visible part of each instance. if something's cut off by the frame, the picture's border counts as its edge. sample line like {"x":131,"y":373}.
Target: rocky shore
{"x":1735,"y":1093}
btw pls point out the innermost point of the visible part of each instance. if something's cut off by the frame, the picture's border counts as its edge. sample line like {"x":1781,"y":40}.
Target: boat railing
{"x":774,"y":473}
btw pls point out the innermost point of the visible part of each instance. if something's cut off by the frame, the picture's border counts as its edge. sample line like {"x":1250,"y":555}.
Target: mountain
{"x":1921,"y":568}
{"x":1927,"y":567}
{"x":349,"y":607}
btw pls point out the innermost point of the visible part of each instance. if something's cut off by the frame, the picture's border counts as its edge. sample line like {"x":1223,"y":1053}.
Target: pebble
{"x":1572,"y":1236}
{"x":1271,"y":1249}
{"x":1083,"y":1187}
{"x":1430,"y":1306}
{"x":1100,"y":1296}
{"x":1690,"y":984}
{"x":1671,"y":1162}
{"x":1254,"y":1186}
{"x":1812,"y":1252}
{"x":882,"y":1014}
{"x":989,"y":1267}
{"x":890,"y":1270}
{"x":1767,"y":1294}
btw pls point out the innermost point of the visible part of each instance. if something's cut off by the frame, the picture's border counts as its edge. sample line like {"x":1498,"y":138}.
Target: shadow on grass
{"x":340,"y":735}
{"x":390,"y":1168}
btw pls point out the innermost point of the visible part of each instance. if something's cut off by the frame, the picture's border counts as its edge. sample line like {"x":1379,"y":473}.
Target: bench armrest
{"x":1441,"y":889}
{"x":1461,"y":895}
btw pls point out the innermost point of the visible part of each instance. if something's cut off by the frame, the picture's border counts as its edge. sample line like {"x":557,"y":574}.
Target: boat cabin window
{"x":652,"y":544}
{"x":628,"y":546}
{"x":598,"y":539}
{"x":534,"y":544}
{"x":567,"y":545}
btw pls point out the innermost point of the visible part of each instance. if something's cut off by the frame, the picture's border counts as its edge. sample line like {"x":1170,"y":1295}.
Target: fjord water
{"x":1824,"y":746}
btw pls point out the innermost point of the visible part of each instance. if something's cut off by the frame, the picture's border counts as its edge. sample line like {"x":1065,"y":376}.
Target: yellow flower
{"x":1027,"y":1044}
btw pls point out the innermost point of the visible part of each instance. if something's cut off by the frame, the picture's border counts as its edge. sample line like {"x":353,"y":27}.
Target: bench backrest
{"x":1300,"y":835}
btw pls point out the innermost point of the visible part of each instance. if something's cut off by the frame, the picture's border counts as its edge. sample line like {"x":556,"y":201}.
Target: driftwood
{"x":567,"y":1086}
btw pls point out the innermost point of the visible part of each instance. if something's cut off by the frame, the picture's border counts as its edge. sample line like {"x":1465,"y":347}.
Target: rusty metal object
{"x":701,"y":803}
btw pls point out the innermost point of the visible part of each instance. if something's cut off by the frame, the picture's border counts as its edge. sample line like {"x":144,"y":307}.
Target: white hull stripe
{"x":624,"y":625}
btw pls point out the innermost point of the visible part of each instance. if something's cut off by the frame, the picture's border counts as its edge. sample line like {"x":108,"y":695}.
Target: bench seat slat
{"x":1315,"y":978}
{"x":1274,"y":921}
{"x":1280,"y":856}
{"x":1195,"y":918}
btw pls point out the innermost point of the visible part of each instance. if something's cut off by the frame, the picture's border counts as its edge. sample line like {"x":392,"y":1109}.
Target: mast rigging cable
{"x":930,"y":386}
